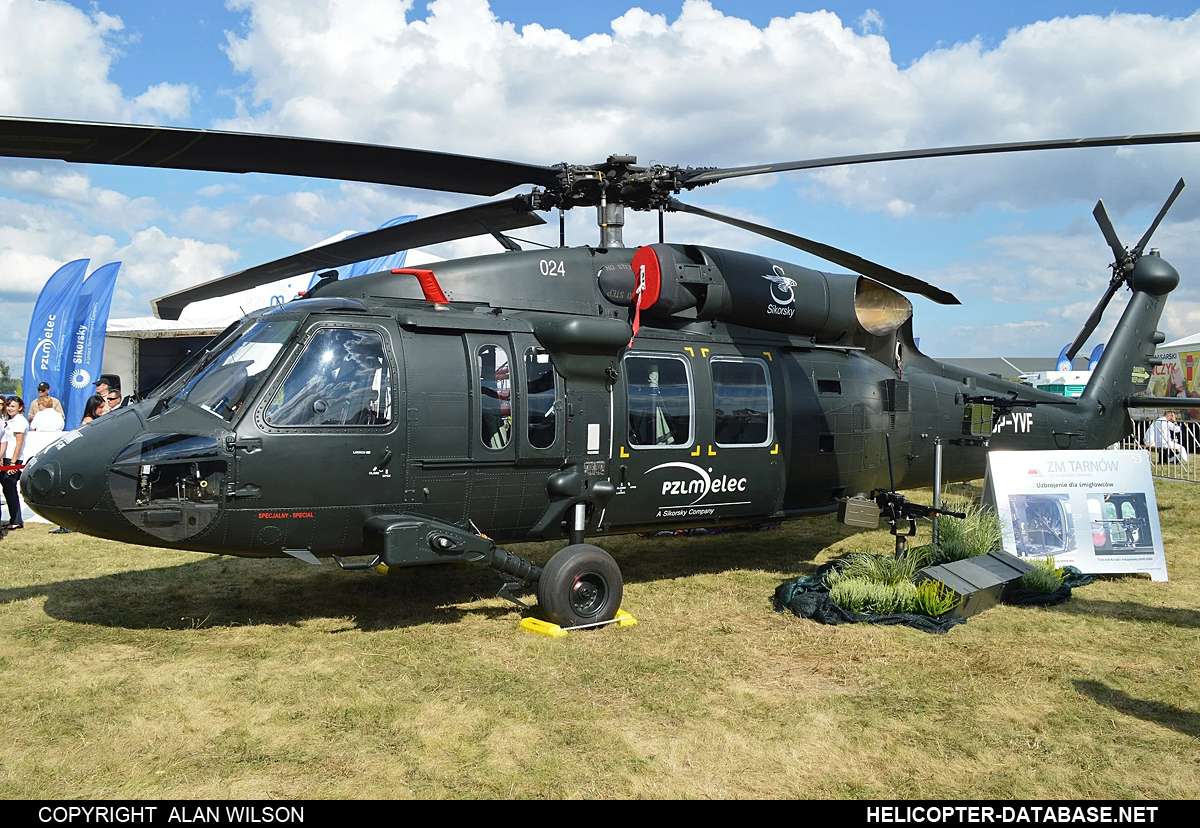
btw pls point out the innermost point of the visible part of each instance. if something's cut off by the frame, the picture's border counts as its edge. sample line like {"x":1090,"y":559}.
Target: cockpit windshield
{"x":229,"y":377}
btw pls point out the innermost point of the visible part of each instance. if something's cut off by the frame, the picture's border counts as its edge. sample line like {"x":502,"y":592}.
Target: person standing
{"x":114,"y":398}
{"x":102,"y":390}
{"x":43,"y":390}
{"x":14,"y":453}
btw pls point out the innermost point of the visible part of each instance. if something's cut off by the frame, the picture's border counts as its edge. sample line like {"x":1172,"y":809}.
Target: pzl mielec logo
{"x":783,"y":292}
{"x":696,"y":481}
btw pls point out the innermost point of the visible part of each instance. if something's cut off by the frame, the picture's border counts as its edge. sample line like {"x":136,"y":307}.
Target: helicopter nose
{"x":67,"y":479}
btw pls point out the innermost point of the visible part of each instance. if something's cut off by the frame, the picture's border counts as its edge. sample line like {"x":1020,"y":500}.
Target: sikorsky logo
{"x":696,"y":481}
{"x":77,"y":357}
{"x":783,"y":292}
{"x":80,"y":378}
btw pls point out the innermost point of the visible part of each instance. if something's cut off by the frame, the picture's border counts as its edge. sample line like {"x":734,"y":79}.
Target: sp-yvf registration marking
{"x":1020,"y":421}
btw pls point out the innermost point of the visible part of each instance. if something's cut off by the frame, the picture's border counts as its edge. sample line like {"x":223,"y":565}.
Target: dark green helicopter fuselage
{"x":366,"y":419}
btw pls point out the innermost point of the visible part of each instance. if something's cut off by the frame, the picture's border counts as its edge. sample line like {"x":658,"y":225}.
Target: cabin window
{"x":741,"y":402}
{"x":341,"y":379}
{"x":659,"y":390}
{"x":540,"y":397}
{"x":495,"y":396}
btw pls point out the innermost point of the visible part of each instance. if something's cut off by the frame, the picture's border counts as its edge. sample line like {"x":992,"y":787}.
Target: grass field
{"x":135,"y":672}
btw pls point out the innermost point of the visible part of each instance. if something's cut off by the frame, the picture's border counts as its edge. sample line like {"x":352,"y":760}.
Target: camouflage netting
{"x":808,"y":597}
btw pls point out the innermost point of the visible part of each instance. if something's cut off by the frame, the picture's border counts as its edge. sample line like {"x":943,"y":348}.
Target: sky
{"x":699,"y":83}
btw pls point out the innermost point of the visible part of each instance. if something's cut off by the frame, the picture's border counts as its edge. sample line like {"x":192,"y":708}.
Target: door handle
{"x":383,"y":461}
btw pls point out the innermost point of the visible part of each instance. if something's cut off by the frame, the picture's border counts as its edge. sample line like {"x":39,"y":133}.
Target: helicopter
{"x":428,"y":415}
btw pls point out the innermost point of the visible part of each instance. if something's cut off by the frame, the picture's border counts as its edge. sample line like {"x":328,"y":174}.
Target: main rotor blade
{"x":201,"y":149}
{"x":1110,"y":233}
{"x":1141,"y":245}
{"x":709,"y":176}
{"x":878,"y":272}
{"x":1094,"y":319}
{"x":507,"y":214}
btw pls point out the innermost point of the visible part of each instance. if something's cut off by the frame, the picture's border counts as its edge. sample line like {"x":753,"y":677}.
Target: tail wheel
{"x":581,"y":584}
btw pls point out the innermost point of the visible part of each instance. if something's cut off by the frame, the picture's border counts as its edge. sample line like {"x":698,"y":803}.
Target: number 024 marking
{"x":549,"y":267}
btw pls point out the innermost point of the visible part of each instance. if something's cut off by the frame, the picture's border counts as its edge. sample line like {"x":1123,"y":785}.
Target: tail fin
{"x":1130,"y":347}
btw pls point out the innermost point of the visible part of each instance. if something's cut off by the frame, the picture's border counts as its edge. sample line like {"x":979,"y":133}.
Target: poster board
{"x":1178,"y":375}
{"x":1094,"y":510}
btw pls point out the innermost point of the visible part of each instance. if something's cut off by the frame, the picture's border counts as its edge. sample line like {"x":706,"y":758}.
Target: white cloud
{"x":55,"y":61}
{"x":163,"y":101}
{"x":710,"y":88}
{"x":870,"y":22}
{"x":71,"y":185}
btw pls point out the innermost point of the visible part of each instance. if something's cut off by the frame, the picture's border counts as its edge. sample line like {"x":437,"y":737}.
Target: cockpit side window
{"x":227,"y":378}
{"x":341,"y":379}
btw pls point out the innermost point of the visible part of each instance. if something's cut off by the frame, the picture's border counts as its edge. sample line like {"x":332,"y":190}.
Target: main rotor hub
{"x":610,"y":187}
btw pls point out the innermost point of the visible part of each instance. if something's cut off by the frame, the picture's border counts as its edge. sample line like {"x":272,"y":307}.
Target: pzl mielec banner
{"x":1094,"y":510}
{"x":53,"y":314}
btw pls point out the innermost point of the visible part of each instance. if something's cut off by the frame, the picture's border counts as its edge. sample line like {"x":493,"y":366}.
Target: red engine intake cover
{"x":646,"y":257}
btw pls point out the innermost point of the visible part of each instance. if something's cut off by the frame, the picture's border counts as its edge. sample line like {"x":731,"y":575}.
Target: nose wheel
{"x":581,"y":584}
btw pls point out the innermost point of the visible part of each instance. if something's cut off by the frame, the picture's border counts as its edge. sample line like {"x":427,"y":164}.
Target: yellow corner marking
{"x":539,"y":627}
{"x":696,"y":453}
{"x":624,"y":453}
{"x":688,"y":348}
{"x":767,"y":354}
{"x":704,"y":352}
{"x":711,"y":452}
{"x":776,"y":449}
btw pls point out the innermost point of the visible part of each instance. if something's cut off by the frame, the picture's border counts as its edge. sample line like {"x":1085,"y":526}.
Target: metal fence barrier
{"x":1172,"y":463}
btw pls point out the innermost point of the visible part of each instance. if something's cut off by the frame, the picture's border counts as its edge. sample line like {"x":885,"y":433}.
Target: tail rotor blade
{"x":1094,"y":319}
{"x":1110,"y":234}
{"x":1141,"y":245}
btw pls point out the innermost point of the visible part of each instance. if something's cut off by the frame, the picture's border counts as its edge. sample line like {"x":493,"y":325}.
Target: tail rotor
{"x":1124,"y":260}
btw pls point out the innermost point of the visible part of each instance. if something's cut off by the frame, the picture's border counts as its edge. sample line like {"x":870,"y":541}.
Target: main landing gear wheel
{"x":581,"y":584}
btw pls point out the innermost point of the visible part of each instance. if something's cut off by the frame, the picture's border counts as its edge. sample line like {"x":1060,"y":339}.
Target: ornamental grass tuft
{"x":976,"y":534}
{"x":1044,"y":577}
{"x":880,"y":569}
{"x":871,"y":597}
{"x":933,"y":598}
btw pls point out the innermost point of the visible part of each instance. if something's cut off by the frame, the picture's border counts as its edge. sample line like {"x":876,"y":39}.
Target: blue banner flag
{"x":86,"y":341}
{"x":46,"y":348}
{"x":376,"y":265}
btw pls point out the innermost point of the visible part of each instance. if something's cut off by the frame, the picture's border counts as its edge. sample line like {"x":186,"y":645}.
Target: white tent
{"x":1187,"y":343}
